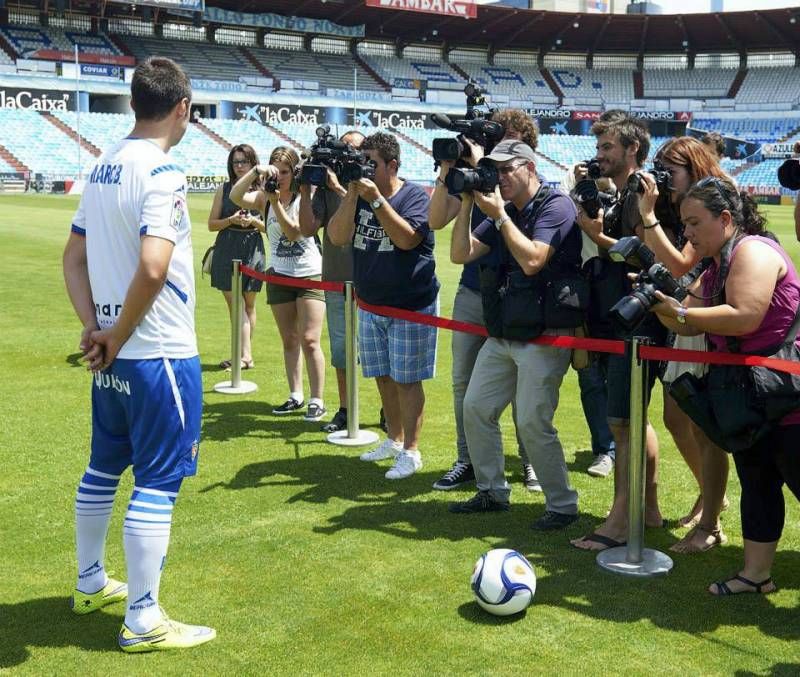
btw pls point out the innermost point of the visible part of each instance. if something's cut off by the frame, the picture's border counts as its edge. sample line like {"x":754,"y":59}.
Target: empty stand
{"x":760,"y":130}
{"x":391,"y":68}
{"x":594,"y":87}
{"x":696,"y":83}
{"x":522,"y":83}
{"x":330,"y":70}
{"x":766,"y":87}
{"x":203,"y":60}
{"x":28,"y":39}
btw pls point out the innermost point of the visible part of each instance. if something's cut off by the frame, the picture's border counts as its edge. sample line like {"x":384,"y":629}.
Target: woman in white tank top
{"x":298,"y":312}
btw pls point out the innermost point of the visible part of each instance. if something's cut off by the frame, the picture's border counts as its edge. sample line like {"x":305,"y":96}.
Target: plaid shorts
{"x":404,"y":350}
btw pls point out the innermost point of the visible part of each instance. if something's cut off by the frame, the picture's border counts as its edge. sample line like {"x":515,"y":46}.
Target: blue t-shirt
{"x":554,"y":225}
{"x":385,"y":274}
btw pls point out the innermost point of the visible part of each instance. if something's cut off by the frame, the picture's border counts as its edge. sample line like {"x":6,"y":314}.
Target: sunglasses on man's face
{"x":509,"y":169}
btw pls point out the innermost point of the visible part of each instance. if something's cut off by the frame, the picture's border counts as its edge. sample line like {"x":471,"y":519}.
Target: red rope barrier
{"x":614,"y":347}
{"x":292,"y":281}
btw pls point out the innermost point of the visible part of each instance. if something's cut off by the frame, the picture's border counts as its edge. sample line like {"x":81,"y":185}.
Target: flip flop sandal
{"x":225,"y":364}
{"x":594,"y":537}
{"x":723,"y":590}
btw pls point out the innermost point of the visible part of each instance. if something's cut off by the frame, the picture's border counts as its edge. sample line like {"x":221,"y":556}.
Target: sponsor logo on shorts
{"x":109,"y":381}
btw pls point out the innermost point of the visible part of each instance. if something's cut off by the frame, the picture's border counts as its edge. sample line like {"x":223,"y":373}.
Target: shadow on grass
{"x":48,"y":622}
{"x":252,"y":420}
{"x":570,"y":579}
{"x":74,"y":360}
{"x":323,"y":477}
{"x":470,"y":611}
{"x":777,"y":670}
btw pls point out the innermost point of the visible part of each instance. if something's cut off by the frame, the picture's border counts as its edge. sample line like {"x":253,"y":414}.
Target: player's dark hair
{"x":158,"y":85}
{"x":628,"y":130}
{"x":386,"y":145}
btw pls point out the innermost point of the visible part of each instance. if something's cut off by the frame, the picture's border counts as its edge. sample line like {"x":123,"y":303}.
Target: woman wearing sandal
{"x":298,"y":312}
{"x":755,"y":302}
{"x":688,"y":161}
{"x":238,"y":237}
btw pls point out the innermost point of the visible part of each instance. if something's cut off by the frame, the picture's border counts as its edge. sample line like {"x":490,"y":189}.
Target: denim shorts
{"x":404,"y":350}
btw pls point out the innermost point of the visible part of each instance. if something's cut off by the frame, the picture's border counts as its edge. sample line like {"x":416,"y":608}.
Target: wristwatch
{"x":376,"y":203}
{"x":681,"y":316}
{"x":498,"y":223}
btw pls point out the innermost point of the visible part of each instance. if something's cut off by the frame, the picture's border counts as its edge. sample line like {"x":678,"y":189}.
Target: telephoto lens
{"x":789,"y":174}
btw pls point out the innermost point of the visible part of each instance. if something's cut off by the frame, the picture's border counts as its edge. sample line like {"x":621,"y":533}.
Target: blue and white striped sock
{"x":146,"y":535}
{"x":93,"y":505}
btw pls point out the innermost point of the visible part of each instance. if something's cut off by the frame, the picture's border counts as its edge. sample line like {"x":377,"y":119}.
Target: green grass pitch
{"x":306,"y":560}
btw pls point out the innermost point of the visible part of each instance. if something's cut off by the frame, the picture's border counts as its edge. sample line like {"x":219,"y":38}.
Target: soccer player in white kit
{"x":128,"y":269}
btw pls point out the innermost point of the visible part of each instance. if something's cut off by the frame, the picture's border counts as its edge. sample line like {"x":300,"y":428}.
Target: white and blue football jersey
{"x":134,"y":190}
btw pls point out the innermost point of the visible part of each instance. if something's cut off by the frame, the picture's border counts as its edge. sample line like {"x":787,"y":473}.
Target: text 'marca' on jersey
{"x":136,"y":190}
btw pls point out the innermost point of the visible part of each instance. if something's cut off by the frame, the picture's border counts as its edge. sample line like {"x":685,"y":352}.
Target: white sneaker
{"x":386,"y":449}
{"x":406,"y":463}
{"x":601,"y":466}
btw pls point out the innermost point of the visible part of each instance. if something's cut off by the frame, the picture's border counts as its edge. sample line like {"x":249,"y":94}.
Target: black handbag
{"x":737,"y":406}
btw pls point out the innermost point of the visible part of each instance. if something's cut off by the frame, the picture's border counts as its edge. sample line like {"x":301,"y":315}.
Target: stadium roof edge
{"x":775,"y":29}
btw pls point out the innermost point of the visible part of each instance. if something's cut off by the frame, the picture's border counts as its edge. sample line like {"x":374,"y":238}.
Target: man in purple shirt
{"x":536,"y":240}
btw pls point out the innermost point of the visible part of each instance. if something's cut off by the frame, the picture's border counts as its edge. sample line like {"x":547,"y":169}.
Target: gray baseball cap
{"x":511,"y":149}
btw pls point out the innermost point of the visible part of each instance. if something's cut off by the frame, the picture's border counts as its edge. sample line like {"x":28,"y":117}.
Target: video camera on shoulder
{"x":328,"y":152}
{"x":630,"y":310}
{"x":586,"y":193}
{"x":474,"y":126}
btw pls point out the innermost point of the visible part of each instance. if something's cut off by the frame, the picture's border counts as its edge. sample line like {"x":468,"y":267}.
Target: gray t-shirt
{"x":337,"y":262}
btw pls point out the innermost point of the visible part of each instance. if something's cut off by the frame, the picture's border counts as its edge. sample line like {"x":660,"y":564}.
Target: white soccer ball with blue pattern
{"x":503,"y":582}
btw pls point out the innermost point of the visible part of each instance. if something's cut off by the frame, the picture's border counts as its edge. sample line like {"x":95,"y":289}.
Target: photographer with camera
{"x":591,"y":191}
{"x":444,"y":207}
{"x":238,"y":237}
{"x":386,"y":220}
{"x":623,"y":143}
{"x":298,"y":312}
{"x":316,"y":210}
{"x":538,"y":250}
{"x":688,"y":161}
{"x":746,"y":300}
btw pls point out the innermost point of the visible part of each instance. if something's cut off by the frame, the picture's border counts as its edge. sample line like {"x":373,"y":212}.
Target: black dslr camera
{"x":474,"y":126}
{"x":586,"y":194}
{"x":328,"y":152}
{"x":483,"y":178}
{"x":789,"y":174}
{"x":629,"y":311}
{"x":661,"y":175}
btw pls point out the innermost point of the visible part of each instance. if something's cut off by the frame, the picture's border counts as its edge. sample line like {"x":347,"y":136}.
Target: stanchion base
{"x":362,"y":437}
{"x":654,"y":563}
{"x":227,"y":388}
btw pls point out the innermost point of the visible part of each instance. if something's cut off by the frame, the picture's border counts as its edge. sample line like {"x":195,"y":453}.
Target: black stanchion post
{"x":634,"y":559}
